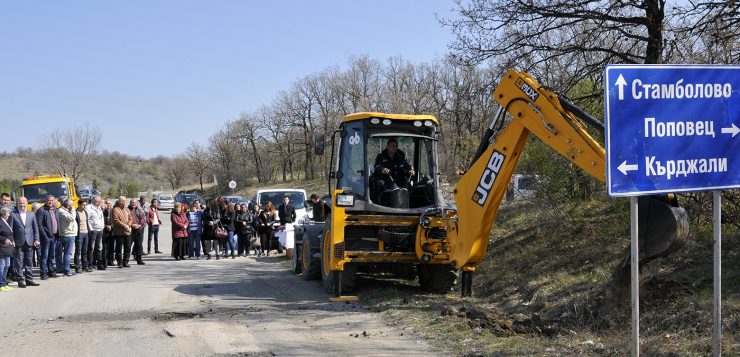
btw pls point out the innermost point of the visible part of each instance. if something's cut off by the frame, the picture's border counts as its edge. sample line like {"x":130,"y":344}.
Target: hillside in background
{"x":111,"y":173}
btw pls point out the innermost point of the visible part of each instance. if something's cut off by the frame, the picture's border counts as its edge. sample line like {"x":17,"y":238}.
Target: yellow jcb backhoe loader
{"x":379,"y":224}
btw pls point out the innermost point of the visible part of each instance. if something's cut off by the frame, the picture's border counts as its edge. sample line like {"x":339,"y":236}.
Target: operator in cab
{"x":390,"y":166}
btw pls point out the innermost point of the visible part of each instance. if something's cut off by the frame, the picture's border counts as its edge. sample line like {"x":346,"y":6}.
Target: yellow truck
{"x":37,"y":188}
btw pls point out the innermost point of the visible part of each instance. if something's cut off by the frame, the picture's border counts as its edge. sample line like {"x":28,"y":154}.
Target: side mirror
{"x":13,"y":197}
{"x":318,"y":147}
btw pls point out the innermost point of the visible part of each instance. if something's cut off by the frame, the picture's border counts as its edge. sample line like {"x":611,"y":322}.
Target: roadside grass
{"x":546,"y":272}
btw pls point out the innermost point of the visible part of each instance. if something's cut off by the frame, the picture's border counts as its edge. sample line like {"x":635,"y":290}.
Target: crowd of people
{"x":62,"y":240}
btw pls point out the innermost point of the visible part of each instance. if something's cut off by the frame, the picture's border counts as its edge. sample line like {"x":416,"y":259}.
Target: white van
{"x":297,"y":198}
{"x":522,"y":187}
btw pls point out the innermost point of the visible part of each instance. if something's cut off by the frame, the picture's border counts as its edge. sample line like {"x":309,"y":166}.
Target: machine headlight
{"x":428,"y":123}
{"x":374,"y":121}
{"x":345,"y":200}
{"x":417,"y":123}
{"x":386,"y":122}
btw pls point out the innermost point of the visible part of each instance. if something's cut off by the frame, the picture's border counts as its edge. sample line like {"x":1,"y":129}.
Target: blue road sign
{"x":672,"y":128}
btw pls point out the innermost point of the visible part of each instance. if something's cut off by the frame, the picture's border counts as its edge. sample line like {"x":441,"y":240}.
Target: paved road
{"x":246,"y":307}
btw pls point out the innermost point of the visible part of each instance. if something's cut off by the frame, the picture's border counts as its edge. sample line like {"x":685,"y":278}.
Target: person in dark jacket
{"x":227,"y":221}
{"x":211,"y":220}
{"x":319,"y":208}
{"x":26,"y":235}
{"x":266,"y":218}
{"x":286,"y":212}
{"x":390,"y":166}
{"x":48,"y":221}
{"x":244,"y":229}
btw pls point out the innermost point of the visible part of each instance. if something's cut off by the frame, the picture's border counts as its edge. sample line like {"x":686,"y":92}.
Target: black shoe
{"x":208,"y":257}
{"x":54,"y":275}
{"x":88,"y":270}
{"x":140,"y":262}
{"x":100,"y":267}
{"x":233,"y":257}
{"x":77,"y":270}
{"x":32,"y":283}
{"x":120,"y":266}
{"x":21,"y":284}
{"x":158,"y":252}
{"x":177,"y":258}
{"x":44,"y":277}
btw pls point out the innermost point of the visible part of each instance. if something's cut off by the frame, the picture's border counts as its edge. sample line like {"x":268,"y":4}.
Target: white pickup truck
{"x":297,"y":198}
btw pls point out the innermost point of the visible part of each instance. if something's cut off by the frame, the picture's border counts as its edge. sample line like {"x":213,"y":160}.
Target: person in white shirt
{"x":153,"y":222}
{"x":96,"y":251}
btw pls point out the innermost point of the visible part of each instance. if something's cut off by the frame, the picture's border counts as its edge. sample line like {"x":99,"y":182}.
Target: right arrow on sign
{"x":733,"y":130}
{"x":624,"y":168}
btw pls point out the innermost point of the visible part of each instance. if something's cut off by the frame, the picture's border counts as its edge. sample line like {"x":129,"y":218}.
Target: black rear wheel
{"x":310,"y":265}
{"x":437,"y":278}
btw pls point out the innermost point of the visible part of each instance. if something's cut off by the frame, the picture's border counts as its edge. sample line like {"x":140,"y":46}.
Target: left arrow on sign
{"x":732,"y":130}
{"x":624,"y":167}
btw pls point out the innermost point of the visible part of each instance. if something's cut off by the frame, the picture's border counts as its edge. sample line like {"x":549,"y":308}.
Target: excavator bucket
{"x":662,"y":228}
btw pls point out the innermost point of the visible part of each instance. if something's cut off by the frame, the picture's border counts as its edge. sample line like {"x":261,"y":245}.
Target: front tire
{"x":331,"y":278}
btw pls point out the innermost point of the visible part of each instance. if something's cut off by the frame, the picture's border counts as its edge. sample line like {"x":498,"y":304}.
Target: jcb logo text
{"x":488,"y":178}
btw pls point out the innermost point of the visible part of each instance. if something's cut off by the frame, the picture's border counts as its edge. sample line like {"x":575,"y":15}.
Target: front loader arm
{"x":534,"y":109}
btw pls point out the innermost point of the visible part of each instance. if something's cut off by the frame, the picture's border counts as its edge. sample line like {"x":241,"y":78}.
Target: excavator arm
{"x":559,"y":124}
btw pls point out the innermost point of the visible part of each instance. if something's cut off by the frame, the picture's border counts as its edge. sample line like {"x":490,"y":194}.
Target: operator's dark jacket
{"x":398,"y":165}
{"x":287,"y":214}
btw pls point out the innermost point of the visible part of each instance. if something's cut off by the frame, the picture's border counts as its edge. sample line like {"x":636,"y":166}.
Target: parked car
{"x":234,"y":199}
{"x":297,"y":198}
{"x":85,"y":193}
{"x":187,"y":199}
{"x":166,"y":202}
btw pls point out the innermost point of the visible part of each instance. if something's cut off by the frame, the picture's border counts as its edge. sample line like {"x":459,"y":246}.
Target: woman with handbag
{"x":227,"y":221}
{"x":7,"y":246}
{"x":254,"y":241}
{"x":243,"y":224}
{"x":180,"y":224}
{"x":211,"y":225}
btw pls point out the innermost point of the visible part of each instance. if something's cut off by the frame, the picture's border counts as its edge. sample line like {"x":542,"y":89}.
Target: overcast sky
{"x":157,"y":75}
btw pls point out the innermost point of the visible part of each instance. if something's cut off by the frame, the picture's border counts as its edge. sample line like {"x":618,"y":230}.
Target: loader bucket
{"x":662,"y":228}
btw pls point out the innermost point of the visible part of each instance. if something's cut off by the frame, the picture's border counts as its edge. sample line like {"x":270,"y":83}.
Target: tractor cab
{"x":388,"y":162}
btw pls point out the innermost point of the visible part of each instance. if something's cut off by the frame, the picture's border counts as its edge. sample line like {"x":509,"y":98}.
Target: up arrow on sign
{"x":621,"y":83}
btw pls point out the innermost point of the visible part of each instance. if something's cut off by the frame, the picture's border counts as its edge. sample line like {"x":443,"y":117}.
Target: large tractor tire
{"x":310,"y":264}
{"x":437,"y":278}
{"x":330,"y":279}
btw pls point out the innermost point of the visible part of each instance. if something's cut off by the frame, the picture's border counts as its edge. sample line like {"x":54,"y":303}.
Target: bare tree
{"x":176,"y":171}
{"x":574,"y":40}
{"x":223,"y":153}
{"x":70,"y":151}
{"x":198,"y":162}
